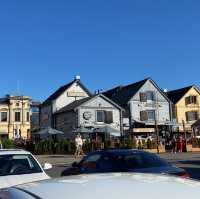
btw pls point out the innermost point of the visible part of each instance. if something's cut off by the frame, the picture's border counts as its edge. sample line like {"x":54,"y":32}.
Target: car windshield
{"x":139,"y":161}
{"x":18,"y":165}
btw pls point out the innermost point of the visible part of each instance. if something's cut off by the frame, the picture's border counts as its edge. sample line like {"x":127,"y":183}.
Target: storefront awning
{"x":143,"y":130}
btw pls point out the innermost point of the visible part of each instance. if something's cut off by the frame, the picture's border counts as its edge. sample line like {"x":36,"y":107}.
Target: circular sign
{"x":87,"y":115}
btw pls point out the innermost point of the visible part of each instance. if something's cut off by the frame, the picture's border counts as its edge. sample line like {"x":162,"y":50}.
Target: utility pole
{"x":185,"y":136}
{"x":156,"y":125}
{"x":157,"y":135}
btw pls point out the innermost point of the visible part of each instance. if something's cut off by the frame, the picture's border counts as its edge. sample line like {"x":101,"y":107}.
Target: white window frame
{"x":103,"y":117}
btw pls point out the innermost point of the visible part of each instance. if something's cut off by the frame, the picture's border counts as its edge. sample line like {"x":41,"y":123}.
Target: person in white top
{"x":79,"y":146}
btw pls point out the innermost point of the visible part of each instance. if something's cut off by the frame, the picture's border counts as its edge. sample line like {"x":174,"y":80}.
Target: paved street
{"x":189,"y":161}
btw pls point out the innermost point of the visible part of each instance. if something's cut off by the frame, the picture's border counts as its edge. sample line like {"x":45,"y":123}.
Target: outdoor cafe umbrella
{"x":84,"y":131}
{"x":107,"y":130}
{"x":49,"y":132}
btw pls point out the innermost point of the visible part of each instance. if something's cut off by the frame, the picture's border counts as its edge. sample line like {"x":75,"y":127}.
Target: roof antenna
{"x":18,"y":87}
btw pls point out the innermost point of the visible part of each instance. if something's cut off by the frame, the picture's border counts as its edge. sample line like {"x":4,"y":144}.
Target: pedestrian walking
{"x":79,"y":146}
{"x":174,"y":144}
{"x":180,"y":143}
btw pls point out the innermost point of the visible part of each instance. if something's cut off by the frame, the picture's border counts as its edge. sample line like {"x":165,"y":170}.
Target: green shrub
{"x":130,"y":143}
{"x":8,"y":144}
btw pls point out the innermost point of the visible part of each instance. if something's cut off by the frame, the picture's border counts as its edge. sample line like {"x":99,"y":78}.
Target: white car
{"x":104,"y":186}
{"x":19,"y":167}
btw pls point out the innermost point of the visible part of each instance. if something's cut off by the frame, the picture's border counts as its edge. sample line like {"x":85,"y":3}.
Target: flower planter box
{"x":195,"y":149}
{"x":189,"y":148}
{"x":161,"y":150}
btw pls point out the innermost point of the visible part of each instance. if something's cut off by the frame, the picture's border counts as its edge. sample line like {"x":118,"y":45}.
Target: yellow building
{"x":15,"y":117}
{"x":186,"y":108}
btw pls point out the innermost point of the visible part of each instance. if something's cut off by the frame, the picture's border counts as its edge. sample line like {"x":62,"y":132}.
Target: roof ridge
{"x":61,"y":89}
{"x":179,"y":89}
{"x":144,"y":80}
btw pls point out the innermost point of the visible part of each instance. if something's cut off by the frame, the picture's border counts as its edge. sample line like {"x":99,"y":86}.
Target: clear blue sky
{"x":45,"y":43}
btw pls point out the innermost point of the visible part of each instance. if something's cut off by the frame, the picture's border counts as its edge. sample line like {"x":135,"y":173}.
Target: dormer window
{"x":191,"y":100}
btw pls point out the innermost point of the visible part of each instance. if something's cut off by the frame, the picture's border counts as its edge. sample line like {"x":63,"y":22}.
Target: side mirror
{"x":75,"y":164}
{"x":47,"y":166}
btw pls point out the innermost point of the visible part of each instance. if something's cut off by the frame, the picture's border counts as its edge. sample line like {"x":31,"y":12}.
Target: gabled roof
{"x":122,"y":94}
{"x":80,"y":102}
{"x":62,"y":89}
{"x":73,"y":105}
{"x":176,"y":95}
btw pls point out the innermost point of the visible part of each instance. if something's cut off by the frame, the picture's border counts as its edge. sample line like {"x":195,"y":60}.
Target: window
{"x":139,"y":160}
{"x":191,"y":100}
{"x":4,"y":117}
{"x":147,"y":115}
{"x":151,"y":115}
{"x":35,"y":110}
{"x":191,"y":115}
{"x":108,"y":117}
{"x":89,"y":164}
{"x":147,"y":96}
{"x":143,"y":97}
{"x":27,"y":116}
{"x":107,"y":164}
{"x":150,"y":95}
{"x":17,"y":116}
{"x":18,"y":165}
{"x":100,"y":116}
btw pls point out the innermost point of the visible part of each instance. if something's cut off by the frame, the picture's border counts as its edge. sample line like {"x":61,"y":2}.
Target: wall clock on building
{"x":87,"y":115}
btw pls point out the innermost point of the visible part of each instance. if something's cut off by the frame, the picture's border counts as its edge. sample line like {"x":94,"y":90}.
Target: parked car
{"x":123,"y":160}
{"x":19,"y":166}
{"x":112,"y":186}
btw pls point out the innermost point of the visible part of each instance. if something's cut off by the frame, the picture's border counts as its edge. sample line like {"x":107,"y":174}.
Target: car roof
{"x":120,"y":151}
{"x":107,"y":186}
{"x":13,"y":152}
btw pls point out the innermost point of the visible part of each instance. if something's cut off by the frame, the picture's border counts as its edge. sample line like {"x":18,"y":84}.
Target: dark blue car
{"x":123,"y":160}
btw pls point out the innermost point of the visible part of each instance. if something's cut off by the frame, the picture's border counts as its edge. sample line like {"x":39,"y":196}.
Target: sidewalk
{"x":56,"y":159}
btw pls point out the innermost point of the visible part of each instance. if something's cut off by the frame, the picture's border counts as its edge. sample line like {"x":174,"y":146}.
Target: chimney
{"x":165,"y":90}
{"x":77,"y":77}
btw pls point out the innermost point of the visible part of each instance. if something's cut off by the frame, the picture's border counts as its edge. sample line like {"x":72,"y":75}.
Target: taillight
{"x":184,"y":174}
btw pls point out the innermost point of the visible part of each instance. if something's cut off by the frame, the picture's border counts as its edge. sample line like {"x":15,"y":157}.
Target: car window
{"x":139,"y":160}
{"x":18,"y":165}
{"x":129,"y":161}
{"x":151,"y":160}
{"x":90,"y":162}
{"x":107,"y":164}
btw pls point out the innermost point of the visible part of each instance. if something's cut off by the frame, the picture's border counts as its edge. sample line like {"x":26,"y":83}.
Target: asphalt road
{"x":188,"y":161}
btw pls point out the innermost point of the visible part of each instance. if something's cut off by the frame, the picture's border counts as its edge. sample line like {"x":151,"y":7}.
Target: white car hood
{"x":115,"y":186}
{"x":13,"y":180}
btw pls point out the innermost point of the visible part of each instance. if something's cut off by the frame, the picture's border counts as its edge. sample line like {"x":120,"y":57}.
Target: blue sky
{"x":45,"y":43}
